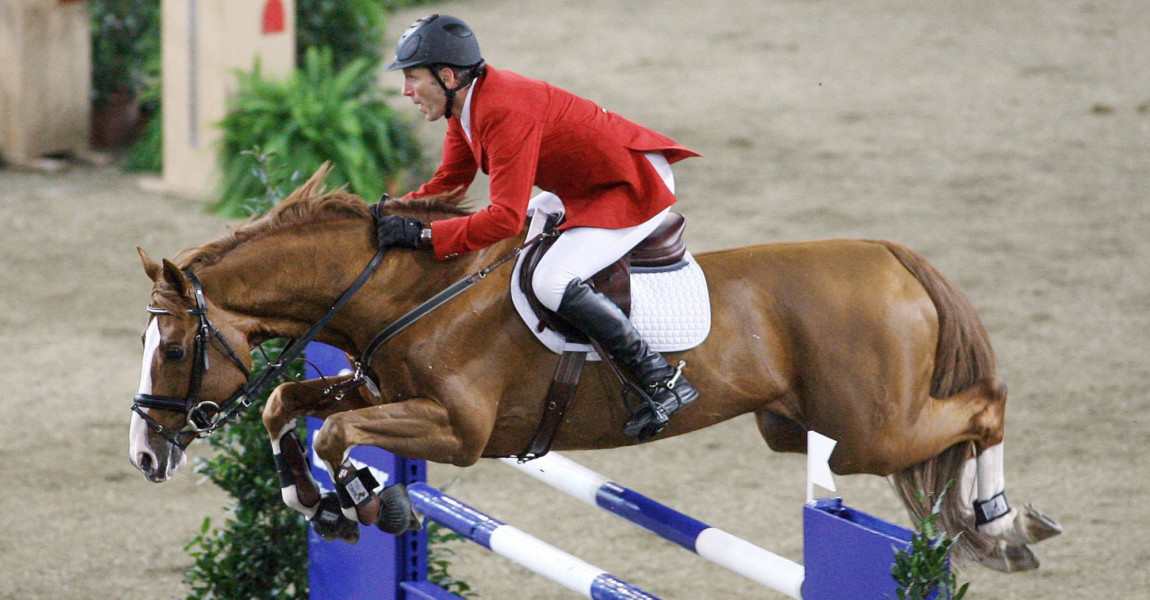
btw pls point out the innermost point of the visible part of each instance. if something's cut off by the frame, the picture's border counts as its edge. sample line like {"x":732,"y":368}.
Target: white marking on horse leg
{"x":290,"y":425}
{"x":290,"y":494}
{"x":991,"y":478}
{"x":991,"y":483}
{"x":138,"y":431}
{"x":968,"y":485}
{"x":349,"y":513}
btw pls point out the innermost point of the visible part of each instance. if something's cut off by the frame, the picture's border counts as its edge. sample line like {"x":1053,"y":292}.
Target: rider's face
{"x":420,"y":85}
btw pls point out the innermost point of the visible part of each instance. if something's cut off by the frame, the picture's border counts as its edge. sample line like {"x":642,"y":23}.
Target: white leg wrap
{"x":289,"y":494}
{"x":991,"y":505}
{"x":991,"y":478}
{"x":967,"y":485}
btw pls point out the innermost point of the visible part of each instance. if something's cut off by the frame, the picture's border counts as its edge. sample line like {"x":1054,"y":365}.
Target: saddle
{"x":663,"y":248}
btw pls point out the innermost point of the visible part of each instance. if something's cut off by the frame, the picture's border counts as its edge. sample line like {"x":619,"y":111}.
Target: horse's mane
{"x":311,"y":203}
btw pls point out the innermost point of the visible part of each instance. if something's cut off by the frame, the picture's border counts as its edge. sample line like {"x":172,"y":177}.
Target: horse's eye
{"x":174,"y":354}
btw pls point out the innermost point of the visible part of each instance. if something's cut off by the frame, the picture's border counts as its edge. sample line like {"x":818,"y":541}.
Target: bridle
{"x":204,"y":417}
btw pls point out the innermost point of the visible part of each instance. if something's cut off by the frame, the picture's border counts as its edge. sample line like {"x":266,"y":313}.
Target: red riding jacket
{"x":526,"y":132}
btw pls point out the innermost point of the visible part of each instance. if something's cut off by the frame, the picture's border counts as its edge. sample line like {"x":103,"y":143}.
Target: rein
{"x":204,"y":417}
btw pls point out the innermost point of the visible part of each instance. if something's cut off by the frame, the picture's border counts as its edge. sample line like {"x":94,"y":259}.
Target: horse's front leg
{"x":299,"y":489}
{"x":417,"y":428}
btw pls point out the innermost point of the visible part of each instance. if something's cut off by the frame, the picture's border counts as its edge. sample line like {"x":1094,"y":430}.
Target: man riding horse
{"x":613,"y":177}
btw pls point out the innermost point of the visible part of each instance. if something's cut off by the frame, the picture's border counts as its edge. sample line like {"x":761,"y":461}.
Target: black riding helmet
{"x":438,"y":40}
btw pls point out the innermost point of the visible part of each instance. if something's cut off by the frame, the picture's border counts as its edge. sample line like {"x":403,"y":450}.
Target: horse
{"x":863,"y":341}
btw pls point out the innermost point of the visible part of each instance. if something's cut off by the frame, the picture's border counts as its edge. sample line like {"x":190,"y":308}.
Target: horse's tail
{"x":962,"y":357}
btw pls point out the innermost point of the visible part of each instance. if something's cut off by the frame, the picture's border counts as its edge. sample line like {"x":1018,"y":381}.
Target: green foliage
{"x":319,"y":113}
{"x":147,"y":153}
{"x":924,"y":568}
{"x":125,"y":36}
{"x":439,"y":560}
{"x":261,"y":551}
{"x":353,"y":29}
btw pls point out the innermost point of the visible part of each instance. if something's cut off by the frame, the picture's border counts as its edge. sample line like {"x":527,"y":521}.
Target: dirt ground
{"x":1008,"y":142}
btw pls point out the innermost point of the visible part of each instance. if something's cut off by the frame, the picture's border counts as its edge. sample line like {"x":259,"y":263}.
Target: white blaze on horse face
{"x":138,"y":432}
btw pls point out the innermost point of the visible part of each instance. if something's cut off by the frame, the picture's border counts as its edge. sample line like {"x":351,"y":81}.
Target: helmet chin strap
{"x":450,"y":92}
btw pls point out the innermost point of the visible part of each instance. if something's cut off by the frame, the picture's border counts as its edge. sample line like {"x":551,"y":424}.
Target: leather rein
{"x":204,"y":417}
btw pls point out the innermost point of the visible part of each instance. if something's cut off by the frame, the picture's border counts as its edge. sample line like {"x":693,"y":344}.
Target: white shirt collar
{"x":465,"y":117}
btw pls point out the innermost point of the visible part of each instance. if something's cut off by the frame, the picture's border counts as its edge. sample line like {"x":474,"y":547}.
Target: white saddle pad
{"x":669,"y":305}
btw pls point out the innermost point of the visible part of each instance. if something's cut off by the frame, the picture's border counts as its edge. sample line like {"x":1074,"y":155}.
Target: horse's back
{"x":843,"y":331}
{"x":822,"y":285}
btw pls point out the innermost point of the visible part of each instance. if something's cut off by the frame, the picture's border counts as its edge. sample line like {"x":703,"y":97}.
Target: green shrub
{"x":924,"y":568}
{"x":353,"y":29}
{"x":261,"y":551}
{"x":319,"y":113}
{"x":125,"y":34}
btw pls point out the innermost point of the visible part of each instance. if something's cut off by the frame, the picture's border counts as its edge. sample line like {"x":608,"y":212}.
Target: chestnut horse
{"x":862,"y":341}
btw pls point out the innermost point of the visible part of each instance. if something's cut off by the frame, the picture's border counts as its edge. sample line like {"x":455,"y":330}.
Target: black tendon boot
{"x":601,"y":320}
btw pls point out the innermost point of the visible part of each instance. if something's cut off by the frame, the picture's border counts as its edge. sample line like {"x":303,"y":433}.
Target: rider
{"x":612,"y":175}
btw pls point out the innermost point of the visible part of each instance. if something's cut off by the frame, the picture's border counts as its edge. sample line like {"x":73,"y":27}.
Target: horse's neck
{"x":287,"y":282}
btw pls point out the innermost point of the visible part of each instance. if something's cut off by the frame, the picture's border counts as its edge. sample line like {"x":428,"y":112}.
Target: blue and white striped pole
{"x":718,"y":546}
{"x":521,"y":548}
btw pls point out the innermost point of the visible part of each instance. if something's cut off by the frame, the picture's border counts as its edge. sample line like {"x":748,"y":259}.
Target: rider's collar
{"x":465,"y":116}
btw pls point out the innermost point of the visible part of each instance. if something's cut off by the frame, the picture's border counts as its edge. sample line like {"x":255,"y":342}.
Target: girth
{"x":663,"y":247}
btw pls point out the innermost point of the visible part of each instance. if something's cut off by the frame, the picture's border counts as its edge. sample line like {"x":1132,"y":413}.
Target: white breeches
{"x":581,"y":252}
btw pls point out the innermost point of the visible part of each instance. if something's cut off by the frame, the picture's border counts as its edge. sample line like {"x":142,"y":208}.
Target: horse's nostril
{"x":146,"y":462}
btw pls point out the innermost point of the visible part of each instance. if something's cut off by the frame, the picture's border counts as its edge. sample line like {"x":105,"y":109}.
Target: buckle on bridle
{"x":198,"y":421}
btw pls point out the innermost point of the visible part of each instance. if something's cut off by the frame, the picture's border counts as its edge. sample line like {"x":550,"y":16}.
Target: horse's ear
{"x":176,"y":278}
{"x":150,"y":266}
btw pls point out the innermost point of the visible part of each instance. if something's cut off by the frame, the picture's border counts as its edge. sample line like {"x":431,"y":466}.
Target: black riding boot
{"x":603,"y":321}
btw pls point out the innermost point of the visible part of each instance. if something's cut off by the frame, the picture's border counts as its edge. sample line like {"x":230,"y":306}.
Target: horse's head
{"x":196,"y":362}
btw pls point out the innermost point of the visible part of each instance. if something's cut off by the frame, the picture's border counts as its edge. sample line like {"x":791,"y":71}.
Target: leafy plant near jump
{"x":260,"y":551}
{"x":439,"y":560}
{"x":923,"y":568}
{"x":320,"y":113}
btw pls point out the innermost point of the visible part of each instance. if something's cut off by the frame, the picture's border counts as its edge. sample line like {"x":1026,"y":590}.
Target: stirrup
{"x":653,"y":416}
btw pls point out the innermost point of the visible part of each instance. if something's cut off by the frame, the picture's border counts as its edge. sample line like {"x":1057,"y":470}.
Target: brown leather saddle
{"x":663,"y":248}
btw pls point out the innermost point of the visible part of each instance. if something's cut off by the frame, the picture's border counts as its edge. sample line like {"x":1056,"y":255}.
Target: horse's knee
{"x":275,"y":409}
{"x":272,"y":410}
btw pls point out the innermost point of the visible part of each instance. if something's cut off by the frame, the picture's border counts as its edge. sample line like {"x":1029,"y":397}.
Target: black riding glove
{"x":394,"y":230}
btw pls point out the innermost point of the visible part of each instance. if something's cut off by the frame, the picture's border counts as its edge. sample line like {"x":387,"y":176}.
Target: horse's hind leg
{"x":982,"y":490}
{"x":994,"y":517}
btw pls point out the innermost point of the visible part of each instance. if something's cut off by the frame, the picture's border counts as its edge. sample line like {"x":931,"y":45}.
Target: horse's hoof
{"x":330,"y":523}
{"x":396,"y":515}
{"x":1039,"y":525}
{"x":1010,"y":558}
